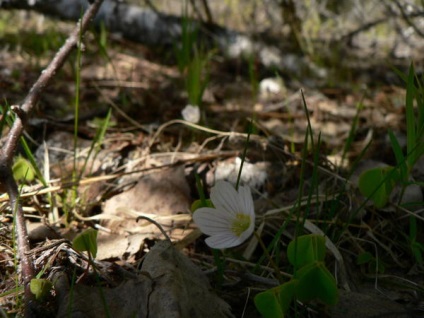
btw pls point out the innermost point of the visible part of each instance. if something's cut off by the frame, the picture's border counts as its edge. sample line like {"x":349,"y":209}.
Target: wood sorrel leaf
{"x":377,"y":184}
{"x":86,"y":242}
{"x":364,"y":258}
{"x":316,"y":282}
{"x":23,"y":170}
{"x":286,"y":293}
{"x":274,"y":302}
{"x":306,"y":249}
{"x":40,"y":287}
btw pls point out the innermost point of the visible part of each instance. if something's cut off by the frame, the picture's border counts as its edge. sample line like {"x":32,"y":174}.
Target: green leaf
{"x":40,"y":287}
{"x":377,"y":184}
{"x":267,"y":304}
{"x":286,"y":293}
{"x":400,"y":158}
{"x":364,"y":258}
{"x":23,"y":170}
{"x":411,"y":128}
{"x":374,"y":265}
{"x":417,"y":250}
{"x":86,"y":242}
{"x":306,"y":249}
{"x":315,"y":282}
{"x":276,"y":301}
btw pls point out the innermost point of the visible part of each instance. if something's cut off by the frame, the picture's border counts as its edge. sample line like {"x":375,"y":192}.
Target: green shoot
{"x":253,"y":76}
{"x":76,"y":124}
{"x":202,"y":202}
{"x":197,"y":78}
{"x":377,"y":184}
{"x":97,"y":141}
{"x":352,"y":132}
{"x":192,"y":61}
{"x":189,"y":33}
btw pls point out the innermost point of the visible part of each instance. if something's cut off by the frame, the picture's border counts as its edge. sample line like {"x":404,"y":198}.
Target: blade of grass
{"x":352,"y":131}
{"x":96,"y":142}
{"x":400,"y":158}
{"x":410,"y":118}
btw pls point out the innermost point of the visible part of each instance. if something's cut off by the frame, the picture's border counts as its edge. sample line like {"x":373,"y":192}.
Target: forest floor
{"x":147,"y":161}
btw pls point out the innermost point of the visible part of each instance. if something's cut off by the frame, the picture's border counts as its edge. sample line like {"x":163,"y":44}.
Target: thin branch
{"x":207,"y":11}
{"x":7,"y":182}
{"x":44,"y":79}
{"x":408,"y":19}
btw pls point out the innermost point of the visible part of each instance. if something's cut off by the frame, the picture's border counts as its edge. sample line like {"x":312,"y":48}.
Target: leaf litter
{"x":137,"y":173}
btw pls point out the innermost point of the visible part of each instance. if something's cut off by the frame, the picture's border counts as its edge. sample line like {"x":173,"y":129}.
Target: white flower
{"x":232,"y":220}
{"x":270,"y":86}
{"x":191,"y":114}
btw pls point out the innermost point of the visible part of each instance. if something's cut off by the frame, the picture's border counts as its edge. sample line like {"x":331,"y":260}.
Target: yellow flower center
{"x":240,"y":224}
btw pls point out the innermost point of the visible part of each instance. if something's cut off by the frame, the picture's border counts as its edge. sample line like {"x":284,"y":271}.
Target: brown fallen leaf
{"x":160,"y":196}
{"x":169,"y":285}
{"x":130,"y":299}
{"x":180,"y":288}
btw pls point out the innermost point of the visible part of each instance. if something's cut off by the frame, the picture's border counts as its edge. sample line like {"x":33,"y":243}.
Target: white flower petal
{"x":234,"y":210}
{"x":212,"y":221}
{"x":246,"y":201}
{"x":191,"y":113}
{"x":223,"y":241}
{"x":224,"y":197}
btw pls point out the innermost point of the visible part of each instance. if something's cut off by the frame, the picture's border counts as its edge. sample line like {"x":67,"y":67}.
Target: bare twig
{"x":7,"y":182}
{"x":207,"y":11}
{"x":408,"y":18}
{"x":391,"y":14}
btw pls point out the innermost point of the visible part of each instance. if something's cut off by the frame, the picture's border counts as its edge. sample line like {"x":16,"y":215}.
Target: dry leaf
{"x":169,"y":285}
{"x":160,"y":196}
{"x":180,"y":288}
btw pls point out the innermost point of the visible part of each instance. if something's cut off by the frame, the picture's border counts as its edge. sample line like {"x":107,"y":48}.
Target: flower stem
{"x":243,"y":157}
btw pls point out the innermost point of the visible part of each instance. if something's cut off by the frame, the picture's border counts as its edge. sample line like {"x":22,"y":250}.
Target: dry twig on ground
{"x":7,"y":182}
